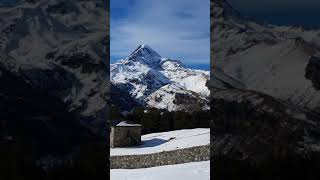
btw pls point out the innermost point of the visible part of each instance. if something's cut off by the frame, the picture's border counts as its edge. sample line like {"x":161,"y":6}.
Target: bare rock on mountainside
{"x":312,"y":71}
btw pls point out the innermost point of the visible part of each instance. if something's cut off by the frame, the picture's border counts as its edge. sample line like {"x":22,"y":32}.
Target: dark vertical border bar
{"x":108,"y":115}
{"x":208,"y":84}
{"x":54,"y":64}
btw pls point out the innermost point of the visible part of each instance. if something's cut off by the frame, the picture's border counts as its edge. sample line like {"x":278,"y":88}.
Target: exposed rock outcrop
{"x":313,"y":71}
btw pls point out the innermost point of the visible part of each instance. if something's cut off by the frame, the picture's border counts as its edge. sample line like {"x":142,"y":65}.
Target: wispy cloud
{"x":177,"y":29}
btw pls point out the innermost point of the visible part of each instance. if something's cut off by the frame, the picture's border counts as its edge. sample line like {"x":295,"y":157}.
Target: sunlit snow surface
{"x":187,"y":171}
{"x":167,"y":141}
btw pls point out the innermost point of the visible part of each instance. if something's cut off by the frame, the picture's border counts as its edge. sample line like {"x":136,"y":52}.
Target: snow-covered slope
{"x":187,"y":171}
{"x":175,"y":97}
{"x":167,"y":141}
{"x":265,"y":58}
{"x":193,"y":80}
{"x":155,"y":81}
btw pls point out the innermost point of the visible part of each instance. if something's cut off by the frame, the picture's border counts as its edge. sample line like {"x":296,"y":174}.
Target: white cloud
{"x":176,"y":29}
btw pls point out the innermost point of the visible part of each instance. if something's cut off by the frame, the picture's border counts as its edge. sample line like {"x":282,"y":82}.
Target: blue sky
{"x":282,"y":12}
{"x":178,"y":29}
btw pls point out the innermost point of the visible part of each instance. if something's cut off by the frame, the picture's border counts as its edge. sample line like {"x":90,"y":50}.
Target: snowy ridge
{"x":172,"y":98}
{"x":193,"y":80}
{"x":148,"y":77}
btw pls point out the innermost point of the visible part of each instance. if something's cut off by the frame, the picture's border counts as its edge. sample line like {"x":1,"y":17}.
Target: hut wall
{"x":125,"y":136}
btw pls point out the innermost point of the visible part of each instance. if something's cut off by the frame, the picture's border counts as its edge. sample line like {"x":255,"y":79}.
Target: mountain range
{"x":53,"y":71}
{"x":266,"y":116}
{"x":281,"y":53}
{"x":152,"y":81}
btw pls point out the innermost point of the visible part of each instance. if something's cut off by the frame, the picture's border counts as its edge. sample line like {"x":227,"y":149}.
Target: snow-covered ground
{"x":187,"y":171}
{"x":167,"y":141}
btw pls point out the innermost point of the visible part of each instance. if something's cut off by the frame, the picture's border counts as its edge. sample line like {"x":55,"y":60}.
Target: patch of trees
{"x":155,"y":120}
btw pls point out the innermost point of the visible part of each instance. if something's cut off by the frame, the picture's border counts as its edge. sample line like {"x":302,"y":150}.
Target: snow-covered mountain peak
{"x":145,"y":55}
{"x":147,"y":77}
{"x":144,"y":46}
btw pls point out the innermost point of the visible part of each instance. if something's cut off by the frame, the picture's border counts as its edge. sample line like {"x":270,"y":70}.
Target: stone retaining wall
{"x":193,"y":154}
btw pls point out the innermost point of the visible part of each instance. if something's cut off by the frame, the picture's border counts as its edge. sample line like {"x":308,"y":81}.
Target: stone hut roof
{"x":119,"y":123}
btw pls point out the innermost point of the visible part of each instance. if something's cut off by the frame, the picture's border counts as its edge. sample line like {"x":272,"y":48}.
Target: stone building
{"x":125,"y":133}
